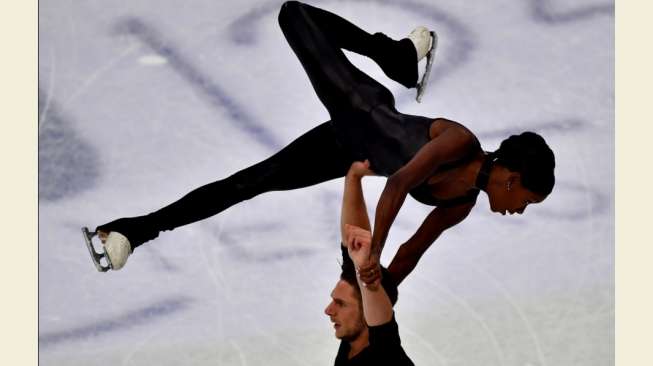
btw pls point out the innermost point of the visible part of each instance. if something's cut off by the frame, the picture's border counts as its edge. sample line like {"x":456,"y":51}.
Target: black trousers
{"x":317,"y":37}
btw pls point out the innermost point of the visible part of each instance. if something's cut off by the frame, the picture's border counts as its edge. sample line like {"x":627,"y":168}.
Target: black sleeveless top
{"x":422,"y":193}
{"x":389,"y":140}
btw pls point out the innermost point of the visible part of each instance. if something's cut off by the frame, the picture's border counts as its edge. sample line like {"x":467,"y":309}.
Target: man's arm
{"x":354,"y":210}
{"x":356,"y":235}
{"x":377,"y":307}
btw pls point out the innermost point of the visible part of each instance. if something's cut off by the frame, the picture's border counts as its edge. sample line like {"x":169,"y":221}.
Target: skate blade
{"x":96,"y":256}
{"x":430,"y":56}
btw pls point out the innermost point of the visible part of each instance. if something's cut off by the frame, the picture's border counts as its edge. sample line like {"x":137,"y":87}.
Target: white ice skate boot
{"x":425,"y":43}
{"x":116,"y":249}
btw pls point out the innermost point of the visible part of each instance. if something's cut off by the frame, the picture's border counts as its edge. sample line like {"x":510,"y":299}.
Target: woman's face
{"x":511,"y":197}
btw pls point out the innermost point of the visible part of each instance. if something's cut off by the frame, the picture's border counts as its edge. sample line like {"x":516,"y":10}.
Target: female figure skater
{"x":437,"y":161}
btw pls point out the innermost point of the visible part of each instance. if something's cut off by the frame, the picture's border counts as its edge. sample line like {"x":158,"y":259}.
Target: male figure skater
{"x":362,"y":314}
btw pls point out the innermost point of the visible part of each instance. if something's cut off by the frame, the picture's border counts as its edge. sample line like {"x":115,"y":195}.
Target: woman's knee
{"x":289,"y":10}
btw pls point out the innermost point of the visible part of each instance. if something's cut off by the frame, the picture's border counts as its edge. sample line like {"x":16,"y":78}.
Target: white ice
{"x":142,"y":101}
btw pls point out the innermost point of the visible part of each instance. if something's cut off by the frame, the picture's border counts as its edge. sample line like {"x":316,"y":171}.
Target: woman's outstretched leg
{"x":314,"y":157}
{"x":317,"y":37}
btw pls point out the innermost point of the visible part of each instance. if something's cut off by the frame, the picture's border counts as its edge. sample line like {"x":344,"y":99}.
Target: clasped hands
{"x":359,"y":246}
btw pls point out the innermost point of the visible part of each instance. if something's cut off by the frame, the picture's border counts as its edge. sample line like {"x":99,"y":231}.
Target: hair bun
{"x":530,"y":156}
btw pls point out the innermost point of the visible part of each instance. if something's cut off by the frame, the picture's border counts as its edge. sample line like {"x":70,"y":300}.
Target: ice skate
{"x":115,"y":249}
{"x":425,"y":42}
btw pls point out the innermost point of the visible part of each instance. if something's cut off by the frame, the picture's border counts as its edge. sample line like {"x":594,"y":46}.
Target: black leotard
{"x":364,"y":125}
{"x":390,"y":140}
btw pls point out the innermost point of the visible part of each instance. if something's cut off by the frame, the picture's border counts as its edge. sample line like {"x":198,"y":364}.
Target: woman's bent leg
{"x":396,"y":58}
{"x":317,"y":37}
{"x":313,"y":158}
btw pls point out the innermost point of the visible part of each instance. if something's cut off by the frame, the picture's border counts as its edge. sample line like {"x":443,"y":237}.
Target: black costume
{"x":384,"y":348}
{"x":364,"y":125}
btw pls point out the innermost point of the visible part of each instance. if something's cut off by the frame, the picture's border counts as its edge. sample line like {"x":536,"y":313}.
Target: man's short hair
{"x":348,"y":274}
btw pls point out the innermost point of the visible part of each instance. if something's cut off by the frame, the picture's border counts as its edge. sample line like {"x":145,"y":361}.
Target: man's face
{"x":345,"y":312}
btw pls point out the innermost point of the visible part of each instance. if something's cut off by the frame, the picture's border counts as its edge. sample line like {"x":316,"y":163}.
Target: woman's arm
{"x":412,"y":250}
{"x":452,"y":144}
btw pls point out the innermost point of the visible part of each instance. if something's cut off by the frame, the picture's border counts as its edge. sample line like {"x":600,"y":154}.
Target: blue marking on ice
{"x":545,"y":11}
{"x":136,"y":318}
{"x":215,"y":94}
{"x":67,"y":164}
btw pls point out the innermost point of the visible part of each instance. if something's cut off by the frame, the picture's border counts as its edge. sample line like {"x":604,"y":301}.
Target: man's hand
{"x":359,"y":242}
{"x":359,"y":169}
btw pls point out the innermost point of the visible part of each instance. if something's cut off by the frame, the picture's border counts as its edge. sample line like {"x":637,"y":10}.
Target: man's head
{"x":346,"y":307}
{"x":346,"y":311}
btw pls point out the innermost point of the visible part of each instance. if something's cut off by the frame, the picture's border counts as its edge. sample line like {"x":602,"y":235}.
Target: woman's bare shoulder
{"x":439,"y":125}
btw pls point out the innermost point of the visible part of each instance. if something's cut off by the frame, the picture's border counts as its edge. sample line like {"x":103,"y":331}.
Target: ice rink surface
{"x":141,"y":101}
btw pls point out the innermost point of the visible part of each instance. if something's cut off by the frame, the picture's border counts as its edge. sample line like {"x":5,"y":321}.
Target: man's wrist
{"x":372,"y":286}
{"x":369,"y":275}
{"x":354,"y":176}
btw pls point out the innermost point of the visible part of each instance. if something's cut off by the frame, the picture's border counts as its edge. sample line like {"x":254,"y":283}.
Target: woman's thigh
{"x":315,"y":157}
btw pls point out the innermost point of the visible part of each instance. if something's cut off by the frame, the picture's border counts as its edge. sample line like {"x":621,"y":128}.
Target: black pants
{"x":317,"y":37}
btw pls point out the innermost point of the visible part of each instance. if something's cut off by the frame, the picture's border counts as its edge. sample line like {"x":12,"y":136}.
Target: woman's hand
{"x":359,"y":169}
{"x":359,"y":242}
{"x":371,"y":272}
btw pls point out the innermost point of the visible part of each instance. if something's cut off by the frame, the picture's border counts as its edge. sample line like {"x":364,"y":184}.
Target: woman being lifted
{"x":437,"y":161}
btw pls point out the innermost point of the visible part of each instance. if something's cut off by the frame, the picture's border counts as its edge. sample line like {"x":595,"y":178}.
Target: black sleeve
{"x":385,"y":344}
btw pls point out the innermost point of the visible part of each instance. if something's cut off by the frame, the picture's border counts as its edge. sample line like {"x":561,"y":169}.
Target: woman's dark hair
{"x":530,"y":156}
{"x":348,"y":274}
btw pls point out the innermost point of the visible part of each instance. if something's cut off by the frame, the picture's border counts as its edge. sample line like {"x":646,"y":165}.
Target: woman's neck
{"x":483,"y":170}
